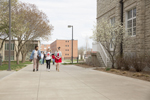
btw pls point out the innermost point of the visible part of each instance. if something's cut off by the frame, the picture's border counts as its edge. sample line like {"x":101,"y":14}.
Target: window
{"x":131,"y":22}
{"x":7,"y":46}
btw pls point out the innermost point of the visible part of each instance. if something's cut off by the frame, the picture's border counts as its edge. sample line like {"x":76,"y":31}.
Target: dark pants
{"x":48,"y":62}
{"x":43,"y":61}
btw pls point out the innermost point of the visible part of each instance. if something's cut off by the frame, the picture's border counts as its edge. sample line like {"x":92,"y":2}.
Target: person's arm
{"x":31,"y":57}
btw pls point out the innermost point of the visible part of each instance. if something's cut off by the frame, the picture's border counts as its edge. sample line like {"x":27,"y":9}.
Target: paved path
{"x":71,"y":83}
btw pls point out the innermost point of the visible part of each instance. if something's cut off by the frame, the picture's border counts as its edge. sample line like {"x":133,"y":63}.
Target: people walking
{"x":53,"y":57}
{"x":35,"y":56}
{"x":58,"y":59}
{"x":42,"y":57}
{"x":48,"y":59}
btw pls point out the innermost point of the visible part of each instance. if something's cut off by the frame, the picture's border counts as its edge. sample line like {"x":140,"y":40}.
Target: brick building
{"x":66,"y":48}
{"x":44,"y":47}
{"x":135,"y":15}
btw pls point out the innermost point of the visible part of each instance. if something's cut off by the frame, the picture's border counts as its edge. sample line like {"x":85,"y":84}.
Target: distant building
{"x":5,"y":50}
{"x":66,"y":48}
{"x":44,"y":47}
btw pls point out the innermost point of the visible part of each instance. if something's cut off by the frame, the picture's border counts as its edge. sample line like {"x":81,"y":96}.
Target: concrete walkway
{"x":71,"y":83}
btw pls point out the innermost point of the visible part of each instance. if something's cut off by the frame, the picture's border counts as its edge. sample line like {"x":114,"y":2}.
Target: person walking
{"x":35,"y":56}
{"x":48,"y":59}
{"x":58,"y":60}
{"x":42,"y":57}
{"x":53,"y":57}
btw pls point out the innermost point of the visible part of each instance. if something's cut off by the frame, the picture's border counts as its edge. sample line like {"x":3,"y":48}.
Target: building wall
{"x":147,"y":27}
{"x":44,"y":47}
{"x":66,"y":48}
{"x":138,"y":44}
{"x":4,"y":52}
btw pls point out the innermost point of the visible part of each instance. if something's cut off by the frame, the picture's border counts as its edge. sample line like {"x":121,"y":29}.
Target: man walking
{"x":35,"y":56}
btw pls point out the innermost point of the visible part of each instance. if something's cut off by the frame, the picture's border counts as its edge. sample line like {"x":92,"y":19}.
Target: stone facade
{"x":140,"y":43}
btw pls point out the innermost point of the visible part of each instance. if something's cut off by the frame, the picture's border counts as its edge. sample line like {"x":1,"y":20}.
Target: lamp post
{"x":70,"y":26}
{"x":9,"y":66}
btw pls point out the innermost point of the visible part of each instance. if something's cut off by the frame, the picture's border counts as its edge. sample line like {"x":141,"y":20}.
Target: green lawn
{"x":14,"y":66}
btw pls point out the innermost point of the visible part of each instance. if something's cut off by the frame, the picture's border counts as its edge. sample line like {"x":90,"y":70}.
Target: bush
{"x":123,"y":63}
{"x":138,"y":63}
{"x":108,"y":69}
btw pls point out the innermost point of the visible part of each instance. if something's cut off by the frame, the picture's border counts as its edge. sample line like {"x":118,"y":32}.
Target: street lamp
{"x":70,"y":26}
{"x":9,"y":66}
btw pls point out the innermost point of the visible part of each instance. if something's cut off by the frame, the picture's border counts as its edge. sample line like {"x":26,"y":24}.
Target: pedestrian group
{"x":37,"y":56}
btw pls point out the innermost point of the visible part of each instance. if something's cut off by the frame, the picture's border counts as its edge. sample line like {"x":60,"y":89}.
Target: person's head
{"x":48,"y":50}
{"x":58,"y":49}
{"x":36,"y":47}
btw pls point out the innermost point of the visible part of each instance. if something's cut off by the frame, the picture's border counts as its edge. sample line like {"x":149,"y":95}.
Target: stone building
{"x":135,"y":16}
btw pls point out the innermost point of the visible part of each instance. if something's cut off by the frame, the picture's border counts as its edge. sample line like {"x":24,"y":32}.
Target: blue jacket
{"x":32,"y":54}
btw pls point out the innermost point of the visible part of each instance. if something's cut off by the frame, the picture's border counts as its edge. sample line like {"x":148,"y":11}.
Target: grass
{"x":14,"y":65}
{"x":69,"y":63}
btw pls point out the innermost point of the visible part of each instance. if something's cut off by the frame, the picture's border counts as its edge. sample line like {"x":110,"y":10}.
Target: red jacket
{"x":53,"y":56}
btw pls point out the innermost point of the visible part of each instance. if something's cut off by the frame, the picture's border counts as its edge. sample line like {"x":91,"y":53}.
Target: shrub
{"x":108,"y":69}
{"x":138,"y":63}
{"x":123,"y":63}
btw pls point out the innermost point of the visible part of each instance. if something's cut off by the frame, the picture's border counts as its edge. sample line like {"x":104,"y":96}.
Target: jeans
{"x":41,"y":61}
{"x":48,"y":62}
{"x":35,"y":63}
{"x":53,"y":61}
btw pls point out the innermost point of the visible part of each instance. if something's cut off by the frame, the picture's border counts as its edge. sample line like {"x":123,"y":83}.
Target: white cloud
{"x":61,"y":13}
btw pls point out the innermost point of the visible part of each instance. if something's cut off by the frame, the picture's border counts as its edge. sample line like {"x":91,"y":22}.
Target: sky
{"x":61,"y":13}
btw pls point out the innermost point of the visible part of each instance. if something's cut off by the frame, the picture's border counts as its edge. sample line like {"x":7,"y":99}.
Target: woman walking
{"x":35,"y":56}
{"x":48,"y":59}
{"x":58,"y":59}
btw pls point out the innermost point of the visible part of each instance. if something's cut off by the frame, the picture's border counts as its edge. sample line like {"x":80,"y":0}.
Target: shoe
{"x":36,"y":69}
{"x":49,"y":70}
{"x":33,"y":70}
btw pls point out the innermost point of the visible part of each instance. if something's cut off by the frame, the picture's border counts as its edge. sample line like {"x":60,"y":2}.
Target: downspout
{"x":121,"y":44}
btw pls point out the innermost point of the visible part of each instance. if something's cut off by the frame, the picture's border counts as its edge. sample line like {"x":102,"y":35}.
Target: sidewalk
{"x":71,"y":83}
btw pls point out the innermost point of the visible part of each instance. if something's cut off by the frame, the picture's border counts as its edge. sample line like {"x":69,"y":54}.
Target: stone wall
{"x":139,"y":44}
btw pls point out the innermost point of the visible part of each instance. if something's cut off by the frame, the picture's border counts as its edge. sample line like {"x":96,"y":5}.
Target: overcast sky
{"x":61,"y":13}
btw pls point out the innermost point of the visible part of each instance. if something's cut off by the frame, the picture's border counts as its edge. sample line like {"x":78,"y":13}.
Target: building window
{"x":131,"y":22}
{"x":7,"y":46}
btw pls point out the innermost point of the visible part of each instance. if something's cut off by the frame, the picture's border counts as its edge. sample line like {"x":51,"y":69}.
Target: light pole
{"x":70,"y":26}
{"x":9,"y":66}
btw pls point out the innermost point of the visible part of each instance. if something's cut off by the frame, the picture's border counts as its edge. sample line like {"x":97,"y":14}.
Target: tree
{"x":4,"y":19}
{"x":34,"y":24}
{"x":109,"y":35}
{"x":81,"y":51}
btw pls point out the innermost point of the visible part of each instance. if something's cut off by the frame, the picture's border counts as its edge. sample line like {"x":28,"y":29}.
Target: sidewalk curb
{"x":7,"y":76}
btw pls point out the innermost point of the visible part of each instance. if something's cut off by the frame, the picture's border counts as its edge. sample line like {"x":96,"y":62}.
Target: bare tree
{"x":4,"y":19}
{"x":109,"y":35}
{"x":34,"y":24}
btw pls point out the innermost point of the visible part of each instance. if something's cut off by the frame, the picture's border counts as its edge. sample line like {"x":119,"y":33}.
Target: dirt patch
{"x":84,"y":65}
{"x":138,"y":75}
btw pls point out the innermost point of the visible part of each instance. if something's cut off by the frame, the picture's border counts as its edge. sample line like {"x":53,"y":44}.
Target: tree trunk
{"x":23,"y":57}
{"x":17,"y":58}
{"x":113,"y":64}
